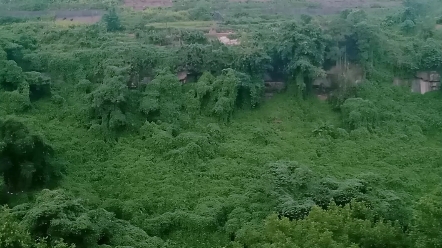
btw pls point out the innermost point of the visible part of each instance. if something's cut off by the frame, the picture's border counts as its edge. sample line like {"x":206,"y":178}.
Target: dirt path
{"x":348,"y":4}
{"x":143,"y":4}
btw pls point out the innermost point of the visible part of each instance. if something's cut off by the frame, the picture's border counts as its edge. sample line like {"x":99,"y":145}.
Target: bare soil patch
{"x":349,"y":4}
{"x":224,"y":37}
{"x":243,"y":1}
{"x":144,"y":4}
{"x":322,"y":97}
{"x":81,"y":19}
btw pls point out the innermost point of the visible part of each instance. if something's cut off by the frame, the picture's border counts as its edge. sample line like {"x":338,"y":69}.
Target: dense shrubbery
{"x":165,"y":133}
{"x":26,"y":158}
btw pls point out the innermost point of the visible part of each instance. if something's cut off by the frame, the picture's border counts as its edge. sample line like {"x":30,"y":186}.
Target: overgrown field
{"x":141,"y":129}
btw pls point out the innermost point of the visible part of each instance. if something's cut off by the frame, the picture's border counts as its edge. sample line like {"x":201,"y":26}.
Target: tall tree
{"x":26,"y":159}
{"x":112,"y":21}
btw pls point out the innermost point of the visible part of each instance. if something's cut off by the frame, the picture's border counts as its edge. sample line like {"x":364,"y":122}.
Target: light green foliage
{"x":203,"y":163}
{"x":14,"y":102}
{"x":58,"y":215}
{"x":252,"y":60}
{"x":11,"y":75}
{"x":225,"y":94}
{"x":336,"y":227}
{"x":358,"y":113}
{"x":302,"y":49}
{"x":427,"y":228}
{"x":12,"y":233}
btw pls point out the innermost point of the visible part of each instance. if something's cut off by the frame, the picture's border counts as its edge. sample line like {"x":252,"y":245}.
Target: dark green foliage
{"x":162,"y":99}
{"x":11,"y":75}
{"x":297,"y":189}
{"x":39,"y":85}
{"x":193,"y":37}
{"x":301,"y":51}
{"x":107,"y":102}
{"x":14,"y":102}
{"x":195,"y":161}
{"x":225,"y":91}
{"x":112,"y":21}
{"x":26,"y":158}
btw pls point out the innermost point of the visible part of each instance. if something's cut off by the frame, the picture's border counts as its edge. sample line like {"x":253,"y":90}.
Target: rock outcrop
{"x":423,"y":82}
{"x":350,"y":74}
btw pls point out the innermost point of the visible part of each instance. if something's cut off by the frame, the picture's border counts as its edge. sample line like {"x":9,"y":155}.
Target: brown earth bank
{"x":143,"y":4}
{"x":81,"y":19}
{"x":88,"y":16}
{"x":243,"y":1}
{"x":347,"y":4}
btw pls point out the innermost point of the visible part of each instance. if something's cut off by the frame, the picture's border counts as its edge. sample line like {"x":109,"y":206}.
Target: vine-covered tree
{"x":338,"y":227}
{"x":108,"y":101}
{"x":26,"y":158}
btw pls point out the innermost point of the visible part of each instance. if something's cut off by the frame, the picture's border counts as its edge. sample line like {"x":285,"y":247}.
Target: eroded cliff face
{"x":340,"y":74}
{"x":423,"y":82}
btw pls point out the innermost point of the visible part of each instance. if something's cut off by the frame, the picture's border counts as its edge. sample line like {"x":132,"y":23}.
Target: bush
{"x":339,"y":227}
{"x":26,"y":157}
{"x":14,"y":102}
{"x":357,"y":113}
{"x":59,"y":216}
{"x":112,"y":21}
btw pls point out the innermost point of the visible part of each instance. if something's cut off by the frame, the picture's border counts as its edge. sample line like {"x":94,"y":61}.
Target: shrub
{"x":26,"y":157}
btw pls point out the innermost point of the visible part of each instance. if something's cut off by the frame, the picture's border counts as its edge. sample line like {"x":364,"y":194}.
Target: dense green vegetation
{"x":103,"y":145}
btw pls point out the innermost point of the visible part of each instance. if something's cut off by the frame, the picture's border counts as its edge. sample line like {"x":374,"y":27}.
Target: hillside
{"x":220,"y":124}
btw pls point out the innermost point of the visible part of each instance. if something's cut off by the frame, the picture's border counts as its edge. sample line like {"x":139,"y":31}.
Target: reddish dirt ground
{"x":143,"y":4}
{"x":322,"y":97}
{"x":223,"y":37}
{"x":344,"y":4}
{"x":81,"y":19}
{"x":243,"y":1}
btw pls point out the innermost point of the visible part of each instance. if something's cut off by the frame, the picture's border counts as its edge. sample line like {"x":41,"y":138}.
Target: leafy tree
{"x":112,"y":21}
{"x":335,"y":227}
{"x":252,"y":60}
{"x":108,"y":101}
{"x":193,"y":37}
{"x":194,"y":57}
{"x":163,"y":98}
{"x":11,"y":75}
{"x":26,"y":159}
{"x":225,"y":94}
{"x":408,"y":26}
{"x":13,"y":102}
{"x":427,"y":228}
{"x":12,"y":233}
{"x":59,"y":216}
{"x":302,"y":51}
{"x":39,"y":85}
{"x":297,"y":189}
{"x":358,"y":112}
